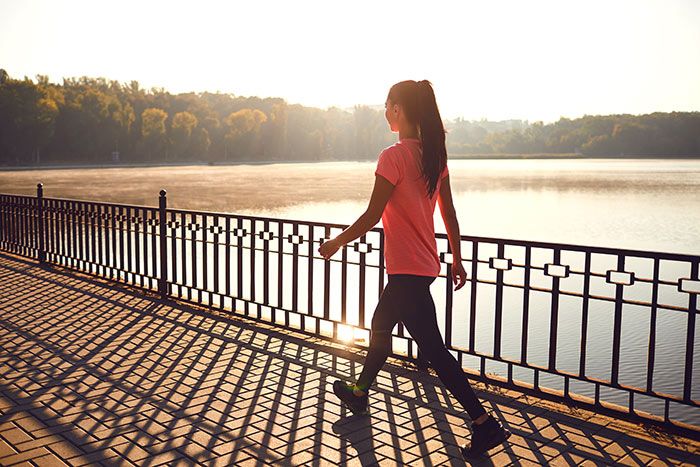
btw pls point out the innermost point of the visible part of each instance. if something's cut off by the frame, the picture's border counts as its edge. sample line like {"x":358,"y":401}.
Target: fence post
{"x":163,"y":278}
{"x":40,"y":221}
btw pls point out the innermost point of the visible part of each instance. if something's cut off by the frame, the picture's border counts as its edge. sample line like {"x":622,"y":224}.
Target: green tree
{"x":184,"y":123}
{"x":243,"y":131}
{"x":27,"y":121}
{"x":153,"y":131}
{"x":200,"y":144}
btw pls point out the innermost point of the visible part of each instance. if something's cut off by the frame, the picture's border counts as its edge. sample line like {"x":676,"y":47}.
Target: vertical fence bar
{"x":617,"y":325}
{"x":472,"y":299}
{"x":690,"y":336}
{"x":651,"y":351}
{"x":30,"y":224}
{"x":448,"y":300}
{"x":154,"y":249}
{"x":172,"y":228}
{"x":93,"y":237}
{"x":79,"y":220}
{"x":295,"y":272}
{"x":58,"y":234}
{"x":17,"y":226}
{"x":51,"y":230}
{"x":205,"y":258}
{"x":183,"y":254}
{"x":163,"y":273}
{"x":327,"y":280}
{"x":193,"y":239}
{"x":344,"y":285}
{"x":239,"y":258}
{"x":10,"y":226}
{"x":4,"y":222}
{"x":100,"y":240}
{"x":121,"y":242}
{"x":554,"y":316}
{"x":137,"y":244}
{"x":584,"y":316}
{"x":18,"y":222}
{"x":20,"y":225}
{"x":30,"y":215}
{"x":149,"y":220}
{"x":498,"y":317}
{"x":110,"y":239}
{"x":74,"y":234}
{"x":129,"y":243}
{"x":21,"y":239}
{"x":361,"y":298}
{"x":252,"y":260}
{"x":63,"y":227}
{"x":228,"y":256}
{"x":40,"y":221}
{"x":280,"y":264}
{"x":526,"y":306}
{"x":266,"y":263}
{"x":215,"y":248}
{"x":61,"y":234}
{"x":310,"y":284}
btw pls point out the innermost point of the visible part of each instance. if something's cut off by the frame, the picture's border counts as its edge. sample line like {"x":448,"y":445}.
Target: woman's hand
{"x":328,"y":248}
{"x":459,"y":275}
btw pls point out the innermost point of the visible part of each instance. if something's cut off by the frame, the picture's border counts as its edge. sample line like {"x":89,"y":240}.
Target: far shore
{"x":504,"y":156}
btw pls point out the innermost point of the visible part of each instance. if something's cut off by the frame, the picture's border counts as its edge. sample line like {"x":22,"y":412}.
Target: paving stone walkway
{"x":93,"y":372}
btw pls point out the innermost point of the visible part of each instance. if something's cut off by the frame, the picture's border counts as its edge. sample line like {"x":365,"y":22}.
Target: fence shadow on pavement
{"x":93,"y":371}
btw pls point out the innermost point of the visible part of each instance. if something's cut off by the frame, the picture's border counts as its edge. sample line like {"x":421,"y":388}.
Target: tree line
{"x":97,"y":121}
{"x":657,"y":134}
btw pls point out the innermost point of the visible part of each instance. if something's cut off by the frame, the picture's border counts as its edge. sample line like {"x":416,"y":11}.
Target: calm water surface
{"x":637,"y":204}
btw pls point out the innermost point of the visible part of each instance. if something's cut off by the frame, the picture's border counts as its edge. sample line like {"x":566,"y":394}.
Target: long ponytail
{"x":420,"y":107}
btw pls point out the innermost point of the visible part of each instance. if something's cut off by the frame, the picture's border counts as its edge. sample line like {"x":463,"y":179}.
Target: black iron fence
{"x":605,"y":328}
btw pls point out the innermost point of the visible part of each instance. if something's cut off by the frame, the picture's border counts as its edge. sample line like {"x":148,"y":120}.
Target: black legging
{"x":407,"y":298}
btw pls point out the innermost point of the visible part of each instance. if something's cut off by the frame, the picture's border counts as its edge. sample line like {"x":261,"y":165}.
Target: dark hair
{"x":418,"y":102}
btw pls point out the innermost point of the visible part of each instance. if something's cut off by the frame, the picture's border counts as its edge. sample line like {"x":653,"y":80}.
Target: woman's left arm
{"x":380,"y":196}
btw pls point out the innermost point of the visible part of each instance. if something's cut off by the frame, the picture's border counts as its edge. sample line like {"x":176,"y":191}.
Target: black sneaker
{"x":356,"y":404}
{"x":484,"y":437}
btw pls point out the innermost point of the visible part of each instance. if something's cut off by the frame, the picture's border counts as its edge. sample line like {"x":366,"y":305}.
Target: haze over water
{"x":639,"y":204}
{"x":647,"y":204}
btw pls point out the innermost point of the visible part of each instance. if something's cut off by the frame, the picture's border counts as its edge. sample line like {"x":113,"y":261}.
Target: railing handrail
{"x":482,"y":239}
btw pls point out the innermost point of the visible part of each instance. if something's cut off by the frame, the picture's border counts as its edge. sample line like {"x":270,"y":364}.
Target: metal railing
{"x":601,"y":328}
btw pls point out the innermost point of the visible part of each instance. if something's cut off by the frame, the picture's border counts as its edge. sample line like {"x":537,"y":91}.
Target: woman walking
{"x":411,"y":176}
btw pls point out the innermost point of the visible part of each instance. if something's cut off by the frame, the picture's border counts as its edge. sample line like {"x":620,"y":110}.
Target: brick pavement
{"x":93,"y":372}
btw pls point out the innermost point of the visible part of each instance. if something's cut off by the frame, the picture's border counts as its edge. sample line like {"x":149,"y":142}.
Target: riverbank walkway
{"x":94,"y":372}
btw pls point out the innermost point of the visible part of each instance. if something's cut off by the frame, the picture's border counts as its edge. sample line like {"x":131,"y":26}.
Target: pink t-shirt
{"x":408,"y":216}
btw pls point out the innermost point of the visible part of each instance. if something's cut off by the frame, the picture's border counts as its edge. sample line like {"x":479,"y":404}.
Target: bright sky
{"x":495,"y":59}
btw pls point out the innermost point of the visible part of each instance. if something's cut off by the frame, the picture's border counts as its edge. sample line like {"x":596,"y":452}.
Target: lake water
{"x":635,"y":204}
{"x":629,"y":203}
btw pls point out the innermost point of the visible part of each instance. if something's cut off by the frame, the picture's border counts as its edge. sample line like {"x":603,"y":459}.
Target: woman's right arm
{"x":449,"y":217}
